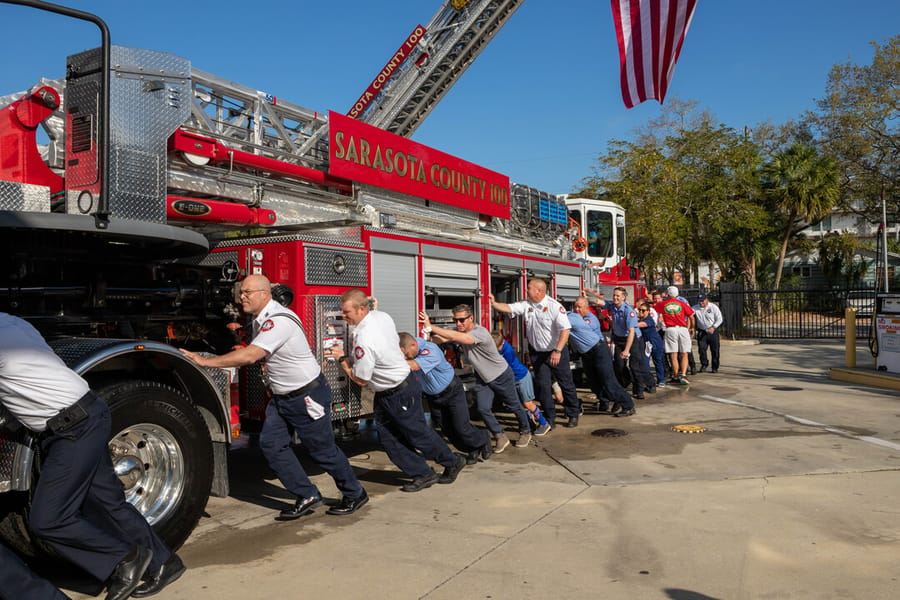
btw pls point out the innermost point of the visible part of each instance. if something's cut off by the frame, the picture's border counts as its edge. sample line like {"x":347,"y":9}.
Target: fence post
{"x":850,"y":336}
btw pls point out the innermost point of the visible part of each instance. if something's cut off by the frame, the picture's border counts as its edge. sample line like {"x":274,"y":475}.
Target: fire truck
{"x":161,"y":185}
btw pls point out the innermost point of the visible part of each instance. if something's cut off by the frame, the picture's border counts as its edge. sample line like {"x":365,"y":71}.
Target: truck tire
{"x":162,"y":452}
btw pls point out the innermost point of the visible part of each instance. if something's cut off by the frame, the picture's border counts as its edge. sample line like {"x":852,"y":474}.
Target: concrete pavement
{"x":792,"y":492}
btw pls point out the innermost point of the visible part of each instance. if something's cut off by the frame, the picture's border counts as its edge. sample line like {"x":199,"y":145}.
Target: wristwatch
{"x":556,"y":351}
{"x":426,"y":330}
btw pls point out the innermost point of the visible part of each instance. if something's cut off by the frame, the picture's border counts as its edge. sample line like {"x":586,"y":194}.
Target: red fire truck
{"x":162,"y":185}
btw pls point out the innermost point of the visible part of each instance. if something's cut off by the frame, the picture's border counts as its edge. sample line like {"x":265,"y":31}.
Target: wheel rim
{"x":149,"y":463}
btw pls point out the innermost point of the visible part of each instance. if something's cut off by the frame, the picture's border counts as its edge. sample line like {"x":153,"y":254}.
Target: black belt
{"x":393,"y":390}
{"x":299,"y":391}
{"x":72,"y":415}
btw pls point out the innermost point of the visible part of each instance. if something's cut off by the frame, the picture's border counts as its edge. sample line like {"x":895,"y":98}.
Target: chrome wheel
{"x":149,"y":463}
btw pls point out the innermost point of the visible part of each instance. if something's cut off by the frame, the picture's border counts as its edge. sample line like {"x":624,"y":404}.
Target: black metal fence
{"x":793,"y":314}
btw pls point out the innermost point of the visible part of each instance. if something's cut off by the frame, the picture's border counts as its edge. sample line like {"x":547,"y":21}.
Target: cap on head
{"x":701,"y":297}
{"x":672,"y":291}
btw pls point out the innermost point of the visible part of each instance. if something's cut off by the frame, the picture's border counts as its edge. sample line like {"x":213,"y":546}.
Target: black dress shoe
{"x":625,"y":413}
{"x":651,"y":390}
{"x":128,"y":573}
{"x":572,"y":422}
{"x":703,"y":368}
{"x":472,"y":457}
{"x":638,"y":396}
{"x":171,"y":570}
{"x":450,"y":473}
{"x":420,"y":483}
{"x":348,"y":506}
{"x":300,"y":508}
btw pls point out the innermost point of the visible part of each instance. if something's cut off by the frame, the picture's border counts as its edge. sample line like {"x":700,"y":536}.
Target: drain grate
{"x":688,"y":428}
{"x":609,"y":432}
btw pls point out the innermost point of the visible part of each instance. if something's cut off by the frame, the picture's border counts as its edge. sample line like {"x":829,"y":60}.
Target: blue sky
{"x":538,"y":104}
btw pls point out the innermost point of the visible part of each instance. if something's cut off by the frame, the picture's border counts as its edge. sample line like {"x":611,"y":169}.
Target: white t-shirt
{"x":35,"y":384}
{"x":291,"y":363}
{"x":377,"y":357}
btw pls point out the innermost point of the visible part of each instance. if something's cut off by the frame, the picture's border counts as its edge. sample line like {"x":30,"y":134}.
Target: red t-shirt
{"x":673,"y":312}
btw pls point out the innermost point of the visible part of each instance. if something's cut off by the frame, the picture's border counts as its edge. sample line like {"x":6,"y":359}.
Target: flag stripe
{"x":650,"y":34}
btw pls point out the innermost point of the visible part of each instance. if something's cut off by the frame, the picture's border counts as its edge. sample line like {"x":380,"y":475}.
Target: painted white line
{"x":807,"y":422}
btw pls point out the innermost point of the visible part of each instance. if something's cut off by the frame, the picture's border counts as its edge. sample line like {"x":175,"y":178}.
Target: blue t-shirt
{"x":585,"y":332}
{"x":519,"y":370}
{"x":436,"y":373}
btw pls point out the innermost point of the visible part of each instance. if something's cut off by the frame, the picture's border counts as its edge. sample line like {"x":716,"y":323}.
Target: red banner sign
{"x":387,"y":72}
{"x":371,"y":155}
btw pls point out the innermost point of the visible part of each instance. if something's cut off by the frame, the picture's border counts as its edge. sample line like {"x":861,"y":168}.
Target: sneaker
{"x":542,"y":430}
{"x":501,"y":443}
{"x":524,"y":439}
{"x":662,"y":384}
{"x":683,"y":380}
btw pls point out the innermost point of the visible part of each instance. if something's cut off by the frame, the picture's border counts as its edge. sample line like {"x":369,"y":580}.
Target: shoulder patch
{"x":358,"y":352}
{"x":562,"y":311}
{"x":267,"y":325}
{"x":424,"y":352}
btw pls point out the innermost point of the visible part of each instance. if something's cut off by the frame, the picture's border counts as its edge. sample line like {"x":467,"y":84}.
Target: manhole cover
{"x":688,"y":428}
{"x":609,"y":432}
{"x":786,"y":388}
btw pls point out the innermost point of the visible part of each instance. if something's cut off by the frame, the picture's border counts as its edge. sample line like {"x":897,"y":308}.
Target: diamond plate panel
{"x":24,"y":196}
{"x":149,"y":99}
{"x":335,"y":266}
{"x":16,"y":456}
{"x":325,"y":312}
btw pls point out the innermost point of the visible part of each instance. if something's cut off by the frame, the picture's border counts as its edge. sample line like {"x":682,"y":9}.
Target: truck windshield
{"x":599,"y":227}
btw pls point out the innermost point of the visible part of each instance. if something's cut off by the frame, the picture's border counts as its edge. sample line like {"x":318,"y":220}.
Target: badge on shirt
{"x":545,"y":309}
{"x":424,"y":352}
{"x":632,"y":315}
{"x":358,"y":352}
{"x":267,"y":325}
{"x":562,"y":311}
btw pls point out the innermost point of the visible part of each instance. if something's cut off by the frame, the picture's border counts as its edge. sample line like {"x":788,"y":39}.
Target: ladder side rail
{"x":246,"y":117}
{"x":458,"y":50}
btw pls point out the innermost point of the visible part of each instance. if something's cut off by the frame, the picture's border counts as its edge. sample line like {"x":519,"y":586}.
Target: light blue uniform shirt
{"x":623,"y":318}
{"x":436,"y":372}
{"x":583,"y":334}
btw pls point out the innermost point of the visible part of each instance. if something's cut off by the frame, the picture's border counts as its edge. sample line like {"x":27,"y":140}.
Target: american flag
{"x":650,"y":35}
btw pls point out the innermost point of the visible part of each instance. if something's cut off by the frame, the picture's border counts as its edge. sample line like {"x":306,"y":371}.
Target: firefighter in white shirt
{"x":301,"y":399}
{"x":708,"y":319}
{"x":378,"y":362}
{"x":547,"y":328}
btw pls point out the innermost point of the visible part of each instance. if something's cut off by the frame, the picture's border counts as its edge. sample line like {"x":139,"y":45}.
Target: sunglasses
{"x":460,"y":319}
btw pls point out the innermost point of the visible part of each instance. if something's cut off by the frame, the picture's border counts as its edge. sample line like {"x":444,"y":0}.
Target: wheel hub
{"x":149,"y":463}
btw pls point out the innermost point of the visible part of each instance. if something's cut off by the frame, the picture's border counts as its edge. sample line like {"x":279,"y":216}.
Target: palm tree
{"x":804,"y":185}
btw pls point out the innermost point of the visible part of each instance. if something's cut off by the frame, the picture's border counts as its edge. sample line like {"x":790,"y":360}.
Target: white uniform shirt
{"x":291,"y":363}
{"x":708,"y":316}
{"x":544,"y":322}
{"x":377,"y":357}
{"x":35,"y":384}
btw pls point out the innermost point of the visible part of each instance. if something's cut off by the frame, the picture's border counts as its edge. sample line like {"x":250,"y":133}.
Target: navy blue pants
{"x":544,"y":374}
{"x":454,"y":417}
{"x":18,"y":582}
{"x":401,"y":426}
{"x":316,"y":435}
{"x":503,"y":387}
{"x":633,"y":370}
{"x":709,"y":340}
{"x":598,"y":369}
{"x":79,"y":505}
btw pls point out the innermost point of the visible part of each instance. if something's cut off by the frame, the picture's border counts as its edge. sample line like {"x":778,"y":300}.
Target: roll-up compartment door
{"x":446,"y":276}
{"x":568,"y":287}
{"x":394,"y":284}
